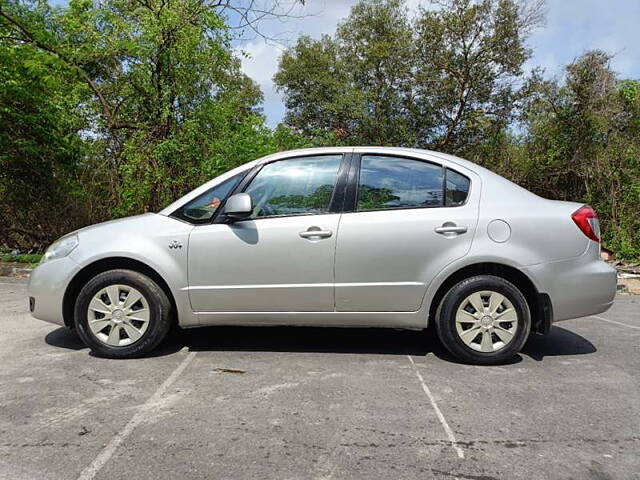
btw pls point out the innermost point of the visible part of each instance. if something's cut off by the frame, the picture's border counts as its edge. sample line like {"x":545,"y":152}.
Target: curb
{"x":19,"y":270}
{"x":629,"y":285}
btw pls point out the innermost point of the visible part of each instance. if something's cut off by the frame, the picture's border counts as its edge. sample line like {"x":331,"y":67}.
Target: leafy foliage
{"x":31,"y":258}
{"x":583,"y":144}
{"x":117,"y":108}
{"x":120,"y":106}
{"x":444,"y":79}
{"x":40,"y":149}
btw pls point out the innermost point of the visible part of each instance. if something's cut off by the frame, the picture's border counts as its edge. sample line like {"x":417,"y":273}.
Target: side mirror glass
{"x":238,"y":206}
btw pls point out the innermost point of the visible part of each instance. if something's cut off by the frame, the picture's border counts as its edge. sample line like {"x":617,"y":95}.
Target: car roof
{"x":416,"y":152}
{"x":443,"y":158}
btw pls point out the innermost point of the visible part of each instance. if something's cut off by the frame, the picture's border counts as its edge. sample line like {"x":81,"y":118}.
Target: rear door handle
{"x":450,"y":228}
{"x":316,"y":232}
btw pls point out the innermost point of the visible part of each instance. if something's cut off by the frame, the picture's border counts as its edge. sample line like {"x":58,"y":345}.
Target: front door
{"x":281,"y":258}
{"x":411,"y":218}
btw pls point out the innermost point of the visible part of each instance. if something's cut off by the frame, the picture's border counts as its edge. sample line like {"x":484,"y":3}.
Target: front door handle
{"x":316,"y":232}
{"x":449,"y":228}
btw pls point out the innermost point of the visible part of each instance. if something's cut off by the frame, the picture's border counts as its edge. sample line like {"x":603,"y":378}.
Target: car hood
{"x":135,"y":237}
{"x":117,"y":222}
{"x":135,"y":223}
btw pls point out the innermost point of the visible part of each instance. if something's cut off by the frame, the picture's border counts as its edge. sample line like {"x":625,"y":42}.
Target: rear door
{"x":409,"y":218}
{"x":282,"y":257}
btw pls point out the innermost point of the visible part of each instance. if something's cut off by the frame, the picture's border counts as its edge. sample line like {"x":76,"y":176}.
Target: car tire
{"x":491,"y":306}
{"x":122,"y":314}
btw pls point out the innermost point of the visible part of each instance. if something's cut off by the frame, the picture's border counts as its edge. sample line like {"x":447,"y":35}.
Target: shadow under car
{"x":381,"y":341}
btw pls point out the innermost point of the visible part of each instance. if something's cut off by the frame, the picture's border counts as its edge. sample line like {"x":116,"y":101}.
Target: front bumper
{"x":578,"y":287}
{"x":47,"y":284}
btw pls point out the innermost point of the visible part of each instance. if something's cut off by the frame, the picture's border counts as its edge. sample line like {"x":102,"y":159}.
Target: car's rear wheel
{"x":483,"y":319}
{"x":122,"y":314}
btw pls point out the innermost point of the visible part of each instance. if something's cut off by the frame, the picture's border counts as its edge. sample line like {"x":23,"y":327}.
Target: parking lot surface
{"x":294,"y":403}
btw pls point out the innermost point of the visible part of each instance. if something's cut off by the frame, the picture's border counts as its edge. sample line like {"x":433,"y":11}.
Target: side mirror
{"x":238,"y":206}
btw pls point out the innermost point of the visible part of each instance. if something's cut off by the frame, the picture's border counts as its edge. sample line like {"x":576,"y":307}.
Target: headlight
{"x":60,"y":248}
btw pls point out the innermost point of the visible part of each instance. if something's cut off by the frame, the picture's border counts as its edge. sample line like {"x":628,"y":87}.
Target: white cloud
{"x":260,"y":60}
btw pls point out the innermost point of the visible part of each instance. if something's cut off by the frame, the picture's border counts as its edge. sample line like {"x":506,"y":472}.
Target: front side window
{"x":294,"y":187}
{"x":393,"y":182}
{"x":202,"y":209}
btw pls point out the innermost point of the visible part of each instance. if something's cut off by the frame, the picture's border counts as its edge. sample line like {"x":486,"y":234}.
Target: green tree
{"x":445,"y":79}
{"x":356,"y":86}
{"x":469,"y":59}
{"x":41,"y":151}
{"x":583,"y":144}
{"x":167,"y":105}
{"x":122,"y":106}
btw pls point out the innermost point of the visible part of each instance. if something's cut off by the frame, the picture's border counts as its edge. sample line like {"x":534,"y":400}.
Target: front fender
{"x":159,"y":242}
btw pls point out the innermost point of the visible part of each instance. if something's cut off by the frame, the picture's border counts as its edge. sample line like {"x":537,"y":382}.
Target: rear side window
{"x":393,"y":182}
{"x":299,"y":186}
{"x":457,"y":188}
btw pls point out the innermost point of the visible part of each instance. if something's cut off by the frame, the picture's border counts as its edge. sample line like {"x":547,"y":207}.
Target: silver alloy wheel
{"x":118,"y":315}
{"x":486,"y":321}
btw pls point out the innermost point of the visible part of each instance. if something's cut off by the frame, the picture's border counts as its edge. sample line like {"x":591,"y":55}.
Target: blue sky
{"x":572,"y":27}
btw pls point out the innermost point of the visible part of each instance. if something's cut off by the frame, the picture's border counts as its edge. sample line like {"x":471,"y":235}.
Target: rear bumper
{"x":577,"y":287}
{"x":47,"y":284}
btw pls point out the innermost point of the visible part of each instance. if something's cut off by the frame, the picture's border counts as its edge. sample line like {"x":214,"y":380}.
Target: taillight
{"x":587,"y":220}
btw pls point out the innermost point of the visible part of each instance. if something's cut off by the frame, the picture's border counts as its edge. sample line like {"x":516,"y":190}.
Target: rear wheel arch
{"x":102,"y":265}
{"x":539,"y":303}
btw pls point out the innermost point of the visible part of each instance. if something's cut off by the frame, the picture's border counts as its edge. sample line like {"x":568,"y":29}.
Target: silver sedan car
{"x":336,"y":237}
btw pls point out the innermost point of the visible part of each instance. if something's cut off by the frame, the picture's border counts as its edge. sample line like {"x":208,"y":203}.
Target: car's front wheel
{"x":122,"y":314}
{"x":484,"y":320}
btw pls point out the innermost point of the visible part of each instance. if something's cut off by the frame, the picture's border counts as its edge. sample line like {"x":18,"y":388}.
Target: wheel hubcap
{"x":118,"y":315}
{"x":486,"y":321}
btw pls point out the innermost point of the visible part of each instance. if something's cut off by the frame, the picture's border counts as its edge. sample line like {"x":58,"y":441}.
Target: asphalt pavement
{"x":298,"y":403}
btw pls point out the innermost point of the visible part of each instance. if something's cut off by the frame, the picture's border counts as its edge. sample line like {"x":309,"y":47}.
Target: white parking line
{"x":108,"y":451}
{"x":443,"y":421}
{"x":617,"y":323}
